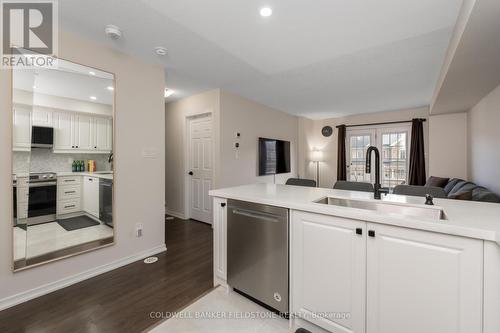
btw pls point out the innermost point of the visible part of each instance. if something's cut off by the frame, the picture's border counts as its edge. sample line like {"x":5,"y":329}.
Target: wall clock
{"x":327,"y":131}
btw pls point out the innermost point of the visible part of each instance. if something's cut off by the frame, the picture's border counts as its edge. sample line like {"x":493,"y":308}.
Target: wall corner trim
{"x":68,"y":281}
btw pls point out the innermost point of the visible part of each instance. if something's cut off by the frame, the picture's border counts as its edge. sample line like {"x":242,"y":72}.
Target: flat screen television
{"x":274,"y":156}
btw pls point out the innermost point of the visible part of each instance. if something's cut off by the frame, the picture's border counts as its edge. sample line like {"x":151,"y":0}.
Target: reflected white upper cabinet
{"x":41,"y":117}
{"x":63,"y":132}
{"x":83,"y":133}
{"x":83,"y":130}
{"x":103,"y":129}
{"x":21,"y":128}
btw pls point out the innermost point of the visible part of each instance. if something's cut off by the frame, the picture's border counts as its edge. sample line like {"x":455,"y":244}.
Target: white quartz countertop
{"x":96,"y":174}
{"x":463,"y":218}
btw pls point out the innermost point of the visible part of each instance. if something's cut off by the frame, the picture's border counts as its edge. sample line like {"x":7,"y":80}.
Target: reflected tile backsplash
{"x":44,"y":160}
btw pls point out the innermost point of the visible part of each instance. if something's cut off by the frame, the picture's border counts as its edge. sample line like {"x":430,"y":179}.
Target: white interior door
{"x":200,"y":167}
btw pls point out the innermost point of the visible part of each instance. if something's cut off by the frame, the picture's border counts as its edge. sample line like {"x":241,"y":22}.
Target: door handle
{"x":190,"y":173}
{"x":255,"y":215}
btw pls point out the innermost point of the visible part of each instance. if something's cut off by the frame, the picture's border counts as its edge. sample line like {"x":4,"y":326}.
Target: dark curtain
{"x":341,"y":160}
{"x":417,"y":157}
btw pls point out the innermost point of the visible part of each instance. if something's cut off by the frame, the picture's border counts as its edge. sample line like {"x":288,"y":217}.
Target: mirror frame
{"x":51,"y":256}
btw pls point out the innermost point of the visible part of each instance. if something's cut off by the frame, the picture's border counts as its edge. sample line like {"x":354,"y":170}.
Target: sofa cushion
{"x":482,"y":194}
{"x":462,"y":186}
{"x":437,"y":181}
{"x":452,"y":184}
{"x":461,"y":195}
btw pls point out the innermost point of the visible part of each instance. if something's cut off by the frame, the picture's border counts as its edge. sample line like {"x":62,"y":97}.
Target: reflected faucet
{"x":110,"y":160}
{"x":378,"y":189}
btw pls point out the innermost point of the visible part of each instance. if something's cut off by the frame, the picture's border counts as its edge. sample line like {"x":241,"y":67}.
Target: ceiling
{"x":69,"y":80}
{"x":315,"y":58}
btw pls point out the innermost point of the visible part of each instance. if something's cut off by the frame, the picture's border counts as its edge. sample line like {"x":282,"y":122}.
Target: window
{"x":392,"y":142}
{"x":358,"y":144}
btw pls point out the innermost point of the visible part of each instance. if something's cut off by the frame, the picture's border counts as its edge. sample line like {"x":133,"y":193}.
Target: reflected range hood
{"x":42,"y":137}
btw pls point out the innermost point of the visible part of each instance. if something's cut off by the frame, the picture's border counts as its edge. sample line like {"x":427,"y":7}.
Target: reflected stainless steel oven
{"x":42,"y":201}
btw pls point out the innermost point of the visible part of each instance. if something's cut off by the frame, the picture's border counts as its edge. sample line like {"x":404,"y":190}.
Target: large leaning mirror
{"x":62,"y":172}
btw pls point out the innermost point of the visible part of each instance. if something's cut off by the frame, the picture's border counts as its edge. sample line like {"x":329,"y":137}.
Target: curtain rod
{"x":385,"y":123}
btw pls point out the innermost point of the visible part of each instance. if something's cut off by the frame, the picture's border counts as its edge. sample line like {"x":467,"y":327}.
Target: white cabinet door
{"x":220,"y":241}
{"x":41,"y":117}
{"x":420,"y":281}
{"x":91,"y":196}
{"x":63,"y":133}
{"x":83,"y":132}
{"x":103,"y":134}
{"x":22,"y":129}
{"x":328,"y":269}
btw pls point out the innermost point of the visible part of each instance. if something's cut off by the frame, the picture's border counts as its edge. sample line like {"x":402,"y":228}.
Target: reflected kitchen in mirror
{"x":62,"y":172}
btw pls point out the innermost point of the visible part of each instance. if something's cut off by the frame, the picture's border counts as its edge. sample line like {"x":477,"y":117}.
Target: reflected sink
{"x":427,"y":212}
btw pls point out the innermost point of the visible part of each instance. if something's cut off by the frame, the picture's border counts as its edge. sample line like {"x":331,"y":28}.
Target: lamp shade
{"x":316,"y":156}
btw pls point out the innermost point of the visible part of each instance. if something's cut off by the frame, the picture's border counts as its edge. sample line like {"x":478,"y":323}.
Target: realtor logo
{"x":29,"y":33}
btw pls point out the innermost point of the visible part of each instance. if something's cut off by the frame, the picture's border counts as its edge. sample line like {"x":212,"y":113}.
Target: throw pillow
{"x":437,"y":181}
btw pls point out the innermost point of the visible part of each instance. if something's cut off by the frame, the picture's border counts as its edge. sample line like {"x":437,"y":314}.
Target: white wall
{"x":175,"y":136}
{"x":310,"y":138}
{"x":252,"y":120}
{"x":484,"y":142}
{"x":231,"y":114}
{"x":139,"y":182}
{"x":448,"y":145}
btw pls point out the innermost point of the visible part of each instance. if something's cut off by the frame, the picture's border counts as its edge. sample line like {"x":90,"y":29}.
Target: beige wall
{"x":175,"y":136}
{"x":139,"y":182}
{"x":310,"y":138}
{"x":484,"y":142}
{"x":231,"y":114}
{"x":252,"y":120}
{"x":448,"y":145}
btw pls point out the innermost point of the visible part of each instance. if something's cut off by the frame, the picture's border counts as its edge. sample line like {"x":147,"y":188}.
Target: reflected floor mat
{"x":75,"y":223}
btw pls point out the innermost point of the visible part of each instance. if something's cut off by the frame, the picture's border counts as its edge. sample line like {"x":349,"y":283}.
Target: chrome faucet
{"x":378,"y":189}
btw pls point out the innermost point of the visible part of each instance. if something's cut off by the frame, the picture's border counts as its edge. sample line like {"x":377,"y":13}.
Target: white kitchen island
{"x":358,"y":270}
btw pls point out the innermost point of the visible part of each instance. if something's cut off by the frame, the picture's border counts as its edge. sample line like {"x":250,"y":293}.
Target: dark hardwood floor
{"x":122,"y":300}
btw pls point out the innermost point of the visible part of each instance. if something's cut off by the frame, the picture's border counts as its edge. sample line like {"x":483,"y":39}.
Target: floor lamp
{"x":317,"y":156}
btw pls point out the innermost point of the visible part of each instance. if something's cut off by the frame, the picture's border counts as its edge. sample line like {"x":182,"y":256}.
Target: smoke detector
{"x":113,"y":32}
{"x":161,"y":51}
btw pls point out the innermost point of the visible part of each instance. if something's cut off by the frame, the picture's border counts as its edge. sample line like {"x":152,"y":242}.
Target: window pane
{"x":357,"y":147}
{"x":394,"y":159}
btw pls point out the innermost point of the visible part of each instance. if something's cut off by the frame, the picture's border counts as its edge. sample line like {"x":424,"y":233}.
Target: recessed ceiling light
{"x":161,"y":51}
{"x":266,"y":12}
{"x":93,"y":98}
{"x":110,"y":88}
{"x":168,"y":92}
{"x":34,"y":87}
{"x":92,"y":73}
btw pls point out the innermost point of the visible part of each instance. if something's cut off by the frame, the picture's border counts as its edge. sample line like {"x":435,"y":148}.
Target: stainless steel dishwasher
{"x":257,"y":252}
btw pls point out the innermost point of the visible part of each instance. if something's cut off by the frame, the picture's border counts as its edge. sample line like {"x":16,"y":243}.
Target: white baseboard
{"x":175,"y":214}
{"x":68,"y":281}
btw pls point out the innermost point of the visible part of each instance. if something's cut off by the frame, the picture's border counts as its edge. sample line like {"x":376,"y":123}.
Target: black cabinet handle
{"x":190,"y":173}
{"x":371,"y":233}
{"x":223,"y":204}
{"x":359,"y":231}
{"x":72,"y":146}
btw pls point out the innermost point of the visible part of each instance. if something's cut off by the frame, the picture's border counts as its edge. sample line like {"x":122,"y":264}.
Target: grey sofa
{"x":479,"y":193}
{"x":454,"y":188}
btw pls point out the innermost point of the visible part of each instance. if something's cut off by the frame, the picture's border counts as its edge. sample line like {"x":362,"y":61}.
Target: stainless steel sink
{"x":430,"y":212}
